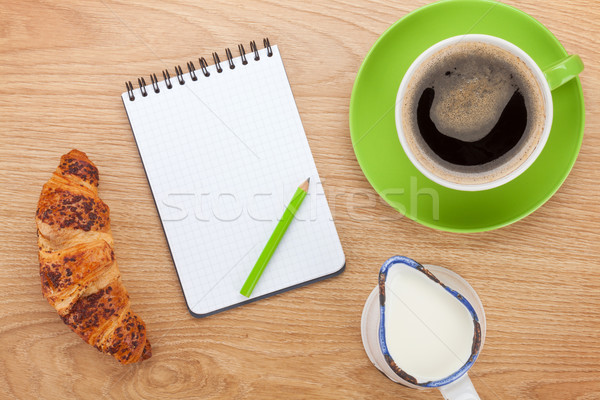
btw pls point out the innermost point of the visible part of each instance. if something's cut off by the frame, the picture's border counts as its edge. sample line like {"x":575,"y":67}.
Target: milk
{"x":428,"y":331}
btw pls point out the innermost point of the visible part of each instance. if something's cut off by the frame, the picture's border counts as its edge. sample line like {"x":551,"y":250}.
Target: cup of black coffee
{"x":473,"y":112}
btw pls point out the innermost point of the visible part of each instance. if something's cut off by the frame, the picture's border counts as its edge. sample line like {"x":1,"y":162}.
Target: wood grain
{"x":62,"y":68}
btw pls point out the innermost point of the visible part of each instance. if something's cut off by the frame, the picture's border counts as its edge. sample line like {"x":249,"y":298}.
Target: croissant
{"x":78,"y":270}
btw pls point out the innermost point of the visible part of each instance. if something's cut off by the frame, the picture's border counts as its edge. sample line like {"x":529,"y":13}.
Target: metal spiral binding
{"x":217,"y":62}
{"x":229,"y":58}
{"x":130,"y":90}
{"x":268,"y":47}
{"x":242,"y":54}
{"x":167,"y":79}
{"x":142,"y":84}
{"x":255,"y":50}
{"x":192,"y":69}
{"x":154,"y":83}
{"x":179,"y":73}
{"x":204,"y":65}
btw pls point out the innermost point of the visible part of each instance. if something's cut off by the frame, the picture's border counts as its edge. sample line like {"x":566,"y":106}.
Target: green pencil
{"x":271,"y":246}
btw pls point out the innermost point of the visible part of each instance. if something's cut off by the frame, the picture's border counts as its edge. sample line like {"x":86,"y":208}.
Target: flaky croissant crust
{"x":78,"y":270}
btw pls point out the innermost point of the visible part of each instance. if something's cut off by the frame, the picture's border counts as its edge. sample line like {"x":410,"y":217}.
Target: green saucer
{"x":376,"y":143}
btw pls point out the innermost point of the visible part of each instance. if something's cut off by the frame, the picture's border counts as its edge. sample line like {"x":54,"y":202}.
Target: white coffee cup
{"x":456,"y":387}
{"x":535,"y":70}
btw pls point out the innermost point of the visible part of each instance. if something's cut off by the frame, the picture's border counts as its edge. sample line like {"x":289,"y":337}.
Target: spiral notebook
{"x":224,"y":150}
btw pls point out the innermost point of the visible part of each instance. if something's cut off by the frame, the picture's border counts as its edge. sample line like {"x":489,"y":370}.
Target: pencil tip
{"x":304,"y":185}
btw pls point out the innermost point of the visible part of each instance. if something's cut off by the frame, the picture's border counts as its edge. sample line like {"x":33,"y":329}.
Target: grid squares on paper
{"x":223,"y":155}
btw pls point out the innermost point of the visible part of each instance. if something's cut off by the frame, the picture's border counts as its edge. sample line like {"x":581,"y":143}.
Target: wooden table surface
{"x":62,"y":69}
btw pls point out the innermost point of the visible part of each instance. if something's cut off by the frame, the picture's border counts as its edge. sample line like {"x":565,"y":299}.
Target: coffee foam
{"x":472,"y":98}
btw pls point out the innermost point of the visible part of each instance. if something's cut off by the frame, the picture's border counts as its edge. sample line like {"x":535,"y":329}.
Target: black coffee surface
{"x":501,"y":138}
{"x":472,"y":113}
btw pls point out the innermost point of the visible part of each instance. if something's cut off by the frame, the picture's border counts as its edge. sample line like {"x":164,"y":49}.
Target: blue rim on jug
{"x":382,"y":342}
